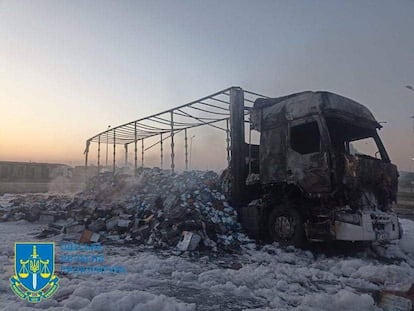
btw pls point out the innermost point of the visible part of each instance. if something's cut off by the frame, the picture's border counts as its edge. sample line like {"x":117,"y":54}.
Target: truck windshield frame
{"x":342,"y":133}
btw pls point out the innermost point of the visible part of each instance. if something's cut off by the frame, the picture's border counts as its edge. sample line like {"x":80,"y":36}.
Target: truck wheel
{"x":286,"y":227}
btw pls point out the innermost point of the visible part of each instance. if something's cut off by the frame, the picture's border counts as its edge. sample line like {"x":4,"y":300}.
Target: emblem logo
{"x":34,"y":267}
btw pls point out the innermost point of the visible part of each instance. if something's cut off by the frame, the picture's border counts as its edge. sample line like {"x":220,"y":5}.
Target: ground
{"x":260,"y":278}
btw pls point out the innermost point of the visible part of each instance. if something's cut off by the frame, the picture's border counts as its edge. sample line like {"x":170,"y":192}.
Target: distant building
{"x":32,"y":172}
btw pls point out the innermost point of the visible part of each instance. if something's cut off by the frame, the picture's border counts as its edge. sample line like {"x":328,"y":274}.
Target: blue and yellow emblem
{"x":34,"y":267}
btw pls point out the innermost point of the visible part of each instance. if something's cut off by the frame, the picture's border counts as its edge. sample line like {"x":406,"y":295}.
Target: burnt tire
{"x":286,"y":227}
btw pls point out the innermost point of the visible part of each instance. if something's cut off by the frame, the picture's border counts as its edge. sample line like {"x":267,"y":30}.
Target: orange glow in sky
{"x":68,"y":69}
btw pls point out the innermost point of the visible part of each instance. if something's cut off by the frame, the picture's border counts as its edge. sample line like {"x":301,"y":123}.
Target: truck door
{"x":307,"y":155}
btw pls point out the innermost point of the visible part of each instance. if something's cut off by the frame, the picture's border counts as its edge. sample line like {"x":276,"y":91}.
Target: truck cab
{"x":323,"y":172}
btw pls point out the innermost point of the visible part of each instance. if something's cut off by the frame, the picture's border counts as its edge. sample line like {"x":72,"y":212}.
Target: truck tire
{"x":286,"y":227}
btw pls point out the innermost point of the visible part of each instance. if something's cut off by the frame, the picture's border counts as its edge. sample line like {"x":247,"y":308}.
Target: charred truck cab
{"x":320,"y":172}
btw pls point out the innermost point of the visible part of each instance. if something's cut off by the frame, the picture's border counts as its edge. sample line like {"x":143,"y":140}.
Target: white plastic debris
{"x":189,"y":241}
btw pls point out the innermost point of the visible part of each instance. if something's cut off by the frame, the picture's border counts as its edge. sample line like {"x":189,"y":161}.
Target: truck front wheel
{"x":286,"y":227}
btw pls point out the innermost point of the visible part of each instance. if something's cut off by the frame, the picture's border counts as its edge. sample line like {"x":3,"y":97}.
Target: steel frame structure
{"x":212,"y":110}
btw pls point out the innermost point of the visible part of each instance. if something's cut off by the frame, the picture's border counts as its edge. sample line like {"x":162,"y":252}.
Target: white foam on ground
{"x":271,"y":278}
{"x":407,"y":241}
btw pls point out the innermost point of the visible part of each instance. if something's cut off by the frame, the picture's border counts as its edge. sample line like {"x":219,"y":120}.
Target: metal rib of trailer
{"x":211,"y":111}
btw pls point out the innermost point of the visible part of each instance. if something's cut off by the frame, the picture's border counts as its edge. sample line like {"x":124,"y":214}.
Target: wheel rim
{"x":284,"y":227}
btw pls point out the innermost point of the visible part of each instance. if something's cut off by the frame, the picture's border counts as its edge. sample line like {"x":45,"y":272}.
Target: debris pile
{"x":153,"y":208}
{"x":34,"y":207}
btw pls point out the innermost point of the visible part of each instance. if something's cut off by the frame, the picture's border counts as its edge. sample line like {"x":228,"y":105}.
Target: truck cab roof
{"x":270,"y":112}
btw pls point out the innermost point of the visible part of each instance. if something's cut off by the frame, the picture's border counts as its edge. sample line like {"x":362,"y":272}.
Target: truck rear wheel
{"x":286,"y":227}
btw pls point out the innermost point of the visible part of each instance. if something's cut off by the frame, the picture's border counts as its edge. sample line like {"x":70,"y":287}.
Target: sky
{"x":68,"y":69}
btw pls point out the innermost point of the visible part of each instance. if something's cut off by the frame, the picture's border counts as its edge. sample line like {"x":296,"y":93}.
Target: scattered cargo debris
{"x":153,"y":208}
{"x":89,"y":237}
{"x":189,"y":241}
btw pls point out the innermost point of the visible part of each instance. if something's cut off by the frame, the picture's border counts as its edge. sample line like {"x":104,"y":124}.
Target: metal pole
{"x":86,"y":154}
{"x":107,"y":143}
{"x":191,"y":148}
{"x":86,"y":158}
{"x":106,"y":157}
{"x":126,"y":154}
{"x":162,"y":150}
{"x":114,"y":159}
{"x":228,"y":142}
{"x":172,"y":143}
{"x":250,"y":148}
{"x":99,"y":153}
{"x":237,"y":162}
{"x":135,"y":143}
{"x":186,"y":148}
{"x":142,"y":152}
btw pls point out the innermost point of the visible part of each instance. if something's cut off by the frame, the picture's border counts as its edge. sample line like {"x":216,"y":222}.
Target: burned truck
{"x":317,"y":172}
{"x":320,"y":171}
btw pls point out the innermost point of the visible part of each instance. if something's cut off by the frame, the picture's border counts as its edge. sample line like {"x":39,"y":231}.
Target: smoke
{"x":62,"y":184}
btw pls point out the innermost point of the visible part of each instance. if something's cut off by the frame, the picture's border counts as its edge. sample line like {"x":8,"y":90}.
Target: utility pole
{"x":411,"y":89}
{"x":412,"y":159}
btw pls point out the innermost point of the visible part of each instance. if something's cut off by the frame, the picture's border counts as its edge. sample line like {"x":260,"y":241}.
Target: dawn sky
{"x":70,"y":68}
